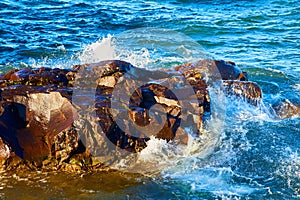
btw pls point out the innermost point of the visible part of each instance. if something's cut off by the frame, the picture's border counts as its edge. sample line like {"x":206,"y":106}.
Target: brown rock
{"x":4,"y":151}
{"x":286,"y":109}
{"x":246,"y":90}
{"x":118,"y":105}
{"x":136,"y":116}
{"x":34,"y":119}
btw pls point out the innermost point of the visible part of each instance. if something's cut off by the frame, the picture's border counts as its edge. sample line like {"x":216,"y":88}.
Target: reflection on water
{"x":54,"y":185}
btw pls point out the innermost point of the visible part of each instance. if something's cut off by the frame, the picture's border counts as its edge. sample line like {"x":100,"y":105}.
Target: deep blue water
{"x":257,"y":156}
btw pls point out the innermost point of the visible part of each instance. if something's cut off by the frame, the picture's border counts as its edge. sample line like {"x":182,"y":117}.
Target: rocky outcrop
{"x":46,"y":113}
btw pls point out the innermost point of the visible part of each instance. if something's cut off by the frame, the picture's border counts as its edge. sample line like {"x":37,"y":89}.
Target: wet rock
{"x":5,"y":151}
{"x":117,"y":106}
{"x":64,"y":144}
{"x":29,"y":122}
{"x":137,"y":103}
{"x":214,"y":69}
{"x":38,"y":77}
{"x":286,"y":109}
{"x":248,"y":91}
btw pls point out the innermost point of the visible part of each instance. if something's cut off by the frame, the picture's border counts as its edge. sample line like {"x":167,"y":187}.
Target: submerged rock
{"x":38,"y":122}
{"x":286,"y":109}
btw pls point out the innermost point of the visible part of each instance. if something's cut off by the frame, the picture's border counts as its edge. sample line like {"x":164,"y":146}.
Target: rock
{"x":5,"y":151}
{"x":214,"y":69}
{"x":147,"y":99}
{"x":117,"y":105}
{"x":39,"y":77}
{"x":248,"y":91}
{"x":29,"y":122}
{"x":286,"y":109}
{"x":35,"y":107}
{"x":64,"y":144}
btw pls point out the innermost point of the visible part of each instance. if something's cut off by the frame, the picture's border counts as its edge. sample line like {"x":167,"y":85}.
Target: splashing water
{"x":100,"y":50}
{"x":205,"y":163}
{"x":290,"y":170}
{"x":107,"y":49}
{"x":145,"y":47}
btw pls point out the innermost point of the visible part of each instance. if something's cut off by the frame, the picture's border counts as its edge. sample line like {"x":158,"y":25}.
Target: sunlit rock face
{"x":67,"y":115}
{"x":35,"y":108}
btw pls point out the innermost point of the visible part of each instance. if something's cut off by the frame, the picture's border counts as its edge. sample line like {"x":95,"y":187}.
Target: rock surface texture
{"x":61,"y":118}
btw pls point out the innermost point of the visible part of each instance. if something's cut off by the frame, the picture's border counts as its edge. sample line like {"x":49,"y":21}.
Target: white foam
{"x":215,"y":180}
{"x":158,"y":150}
{"x":240,"y":110}
{"x":289,"y":170}
{"x":275,"y":70}
{"x":144,"y":47}
{"x":102,"y":49}
{"x":107,"y":48}
{"x":159,"y":154}
{"x":61,"y":48}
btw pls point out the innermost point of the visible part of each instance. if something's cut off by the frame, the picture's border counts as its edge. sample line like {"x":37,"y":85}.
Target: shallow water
{"x":256,"y":155}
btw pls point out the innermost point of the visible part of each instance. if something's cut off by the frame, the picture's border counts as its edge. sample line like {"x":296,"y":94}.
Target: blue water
{"x":257,"y":156}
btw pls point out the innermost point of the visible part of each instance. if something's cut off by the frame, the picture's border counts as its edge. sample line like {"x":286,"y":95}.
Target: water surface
{"x":257,"y":156}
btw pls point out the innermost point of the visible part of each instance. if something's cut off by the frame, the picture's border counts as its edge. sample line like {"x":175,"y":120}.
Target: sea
{"x":249,"y":154}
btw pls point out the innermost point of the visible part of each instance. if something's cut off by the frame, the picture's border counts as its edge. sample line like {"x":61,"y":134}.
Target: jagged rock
{"x":29,"y":122}
{"x":37,"y":118}
{"x":132,"y":104}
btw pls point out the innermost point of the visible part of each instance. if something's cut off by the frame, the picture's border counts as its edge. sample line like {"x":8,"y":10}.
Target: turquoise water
{"x":257,"y":156}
